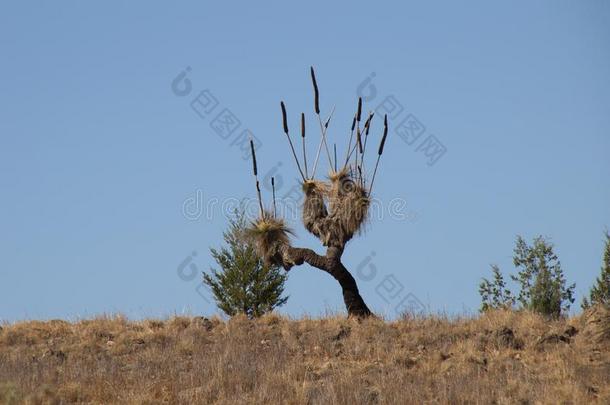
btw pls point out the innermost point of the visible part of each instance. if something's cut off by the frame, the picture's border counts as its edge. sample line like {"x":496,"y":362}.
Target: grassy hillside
{"x":500,"y":357}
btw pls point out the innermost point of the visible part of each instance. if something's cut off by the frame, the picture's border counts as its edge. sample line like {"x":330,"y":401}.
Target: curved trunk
{"x":351,"y":296}
{"x":331,"y":263}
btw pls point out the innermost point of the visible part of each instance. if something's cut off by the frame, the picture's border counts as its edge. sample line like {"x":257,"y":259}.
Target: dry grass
{"x":501,"y":358}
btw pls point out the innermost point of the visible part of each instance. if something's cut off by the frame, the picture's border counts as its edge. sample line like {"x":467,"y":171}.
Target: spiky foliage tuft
{"x":349,"y":203}
{"x":340,"y":182}
{"x":311,"y":185}
{"x":314,"y":206}
{"x":270,"y":237}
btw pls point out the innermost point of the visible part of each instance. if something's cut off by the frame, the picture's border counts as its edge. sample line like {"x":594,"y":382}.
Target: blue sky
{"x":99,"y":156}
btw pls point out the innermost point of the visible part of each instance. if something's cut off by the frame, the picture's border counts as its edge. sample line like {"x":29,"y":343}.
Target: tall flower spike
{"x":303,"y":142}
{"x":367,"y":124}
{"x":385,"y":134}
{"x":273,"y":188}
{"x":322,"y":128}
{"x":356,"y":123}
{"x":284,"y":119}
{"x":255,"y":171}
{"x":380,"y":151}
{"x":285,"y":124}
{"x":367,"y":127}
{"x":316,"y":94}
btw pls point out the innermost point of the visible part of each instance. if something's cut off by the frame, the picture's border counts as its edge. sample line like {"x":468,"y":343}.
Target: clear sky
{"x":102,"y":157}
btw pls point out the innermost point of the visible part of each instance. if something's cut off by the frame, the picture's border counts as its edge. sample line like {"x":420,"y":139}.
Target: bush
{"x":540,"y":277}
{"x":600,"y":292}
{"x":495,"y":294}
{"x":244,"y":284}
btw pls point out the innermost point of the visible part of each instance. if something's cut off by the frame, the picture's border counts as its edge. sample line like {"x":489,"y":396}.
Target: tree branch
{"x":330,"y":263}
{"x":299,"y":256}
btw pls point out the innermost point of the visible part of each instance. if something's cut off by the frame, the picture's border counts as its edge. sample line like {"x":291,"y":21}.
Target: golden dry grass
{"x":500,"y":357}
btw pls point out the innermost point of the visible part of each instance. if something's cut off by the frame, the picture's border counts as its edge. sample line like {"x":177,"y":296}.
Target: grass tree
{"x":334,"y":208}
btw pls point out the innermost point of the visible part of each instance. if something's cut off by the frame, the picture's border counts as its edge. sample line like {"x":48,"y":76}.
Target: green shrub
{"x":244,"y":284}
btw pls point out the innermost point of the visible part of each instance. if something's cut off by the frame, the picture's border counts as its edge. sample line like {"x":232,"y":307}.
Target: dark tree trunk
{"x":351,"y":296}
{"x":331,"y":263}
